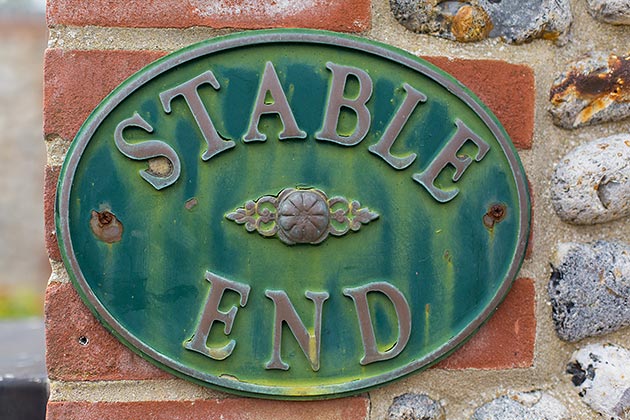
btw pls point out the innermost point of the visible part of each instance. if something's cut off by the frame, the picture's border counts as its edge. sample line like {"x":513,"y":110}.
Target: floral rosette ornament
{"x":302,"y":216}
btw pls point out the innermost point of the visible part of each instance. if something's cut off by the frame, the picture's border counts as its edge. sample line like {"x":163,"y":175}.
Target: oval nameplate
{"x":292,"y":213}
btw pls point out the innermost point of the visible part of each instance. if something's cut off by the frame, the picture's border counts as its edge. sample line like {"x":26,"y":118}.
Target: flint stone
{"x":592,"y":90}
{"x":616,"y":12}
{"x":601,"y":373}
{"x":589,"y":289}
{"x":514,"y":21}
{"x":415,"y":407}
{"x":535,"y":405}
{"x":591,"y":184}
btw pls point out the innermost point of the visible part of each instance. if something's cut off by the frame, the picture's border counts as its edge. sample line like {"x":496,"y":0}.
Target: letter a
{"x":271,"y":84}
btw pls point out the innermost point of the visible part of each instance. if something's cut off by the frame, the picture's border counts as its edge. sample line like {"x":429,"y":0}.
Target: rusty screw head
{"x":106,"y":226}
{"x":495,"y":214}
{"x":105,"y":218}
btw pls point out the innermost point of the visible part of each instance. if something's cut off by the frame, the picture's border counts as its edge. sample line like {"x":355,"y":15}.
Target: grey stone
{"x":616,"y":12}
{"x":415,"y":407}
{"x":514,"y":21}
{"x":535,"y":405}
{"x":589,"y":289}
{"x":591,"y":184}
{"x":601,"y":373}
{"x":592,"y":90}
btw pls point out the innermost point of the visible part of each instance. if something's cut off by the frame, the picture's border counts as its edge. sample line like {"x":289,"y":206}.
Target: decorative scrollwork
{"x":260,"y":215}
{"x":302,"y":216}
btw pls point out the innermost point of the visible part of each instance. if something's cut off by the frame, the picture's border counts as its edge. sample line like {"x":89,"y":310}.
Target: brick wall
{"x":96,"y":45}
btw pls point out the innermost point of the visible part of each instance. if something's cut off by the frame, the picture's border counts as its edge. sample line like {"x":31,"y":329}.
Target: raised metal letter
{"x":211,"y":313}
{"x":271,"y":84}
{"x":147,"y":150}
{"x":189,"y":90}
{"x":336,"y":101}
{"x":359,"y":296}
{"x":285,"y":312}
{"x":447,"y":156}
{"x":382,"y":148}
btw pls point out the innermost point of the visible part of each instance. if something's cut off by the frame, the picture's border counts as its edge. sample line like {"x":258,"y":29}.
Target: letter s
{"x":147,"y":150}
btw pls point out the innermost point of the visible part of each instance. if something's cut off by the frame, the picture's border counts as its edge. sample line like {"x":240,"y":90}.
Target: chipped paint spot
{"x":191,"y":203}
{"x":160,"y":166}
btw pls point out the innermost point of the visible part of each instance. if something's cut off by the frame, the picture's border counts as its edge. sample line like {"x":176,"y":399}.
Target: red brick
{"x":75,"y":82}
{"x":102,"y":357}
{"x":507,"y":89}
{"x":50,"y":189}
{"x":507,"y":340}
{"x":354,"y":408}
{"x":334,"y":15}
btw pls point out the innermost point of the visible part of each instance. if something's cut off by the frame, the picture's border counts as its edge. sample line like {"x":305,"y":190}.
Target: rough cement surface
{"x":131,"y":391}
{"x":601,"y":374}
{"x":513,"y":21}
{"x":535,"y":405}
{"x":592,"y":90}
{"x":57,"y":149}
{"x":591,"y":184}
{"x":616,"y":12}
{"x":415,"y":407}
{"x":460,"y":392}
{"x":590,"y":289}
{"x":59,"y":273}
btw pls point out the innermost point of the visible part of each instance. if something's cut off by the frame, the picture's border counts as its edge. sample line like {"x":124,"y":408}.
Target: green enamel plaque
{"x":292,"y":214}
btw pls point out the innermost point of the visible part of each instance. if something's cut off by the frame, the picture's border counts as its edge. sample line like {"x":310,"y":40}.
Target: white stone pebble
{"x":591,"y":184}
{"x":601,"y":372}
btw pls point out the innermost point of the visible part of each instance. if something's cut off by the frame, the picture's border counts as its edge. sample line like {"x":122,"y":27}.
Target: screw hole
{"x":83,"y":340}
